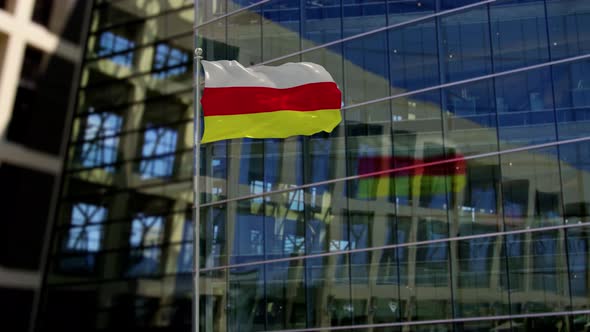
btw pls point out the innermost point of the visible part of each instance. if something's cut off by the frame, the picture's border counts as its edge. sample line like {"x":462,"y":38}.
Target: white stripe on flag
{"x":226,"y":73}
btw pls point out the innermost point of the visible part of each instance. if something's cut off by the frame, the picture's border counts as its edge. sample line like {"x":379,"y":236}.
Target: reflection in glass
{"x":84,"y":237}
{"x":111,"y":43}
{"x":572,"y":98}
{"x":525,"y":109}
{"x":519,"y":34}
{"x":158,"y":145}
{"x":169,"y":61}
{"x":465,"y":50}
{"x":100,"y":146}
{"x":531,"y":189}
{"x":413,"y":57}
{"x":146,"y":235}
{"x":569,"y":27}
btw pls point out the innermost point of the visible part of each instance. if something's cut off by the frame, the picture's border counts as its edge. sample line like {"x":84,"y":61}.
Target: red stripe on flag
{"x":248,"y":99}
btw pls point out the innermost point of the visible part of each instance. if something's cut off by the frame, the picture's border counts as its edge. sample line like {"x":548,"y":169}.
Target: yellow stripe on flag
{"x":278,"y":124}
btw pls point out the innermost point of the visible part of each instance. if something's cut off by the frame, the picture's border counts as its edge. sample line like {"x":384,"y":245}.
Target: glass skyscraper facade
{"x":472,"y":113}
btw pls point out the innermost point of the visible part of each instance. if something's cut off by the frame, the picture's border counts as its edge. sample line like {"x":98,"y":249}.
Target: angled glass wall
{"x":479,"y":108}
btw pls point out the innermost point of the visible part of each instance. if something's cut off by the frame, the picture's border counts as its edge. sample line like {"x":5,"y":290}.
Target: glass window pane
{"x":531,"y":189}
{"x":322,"y":22}
{"x":465,"y":49}
{"x":413,"y":57}
{"x":537,"y":271}
{"x":244,"y":33}
{"x":519,"y":33}
{"x":280,"y":28}
{"x":404,"y":10}
{"x":478,"y":272}
{"x":525,"y":109}
{"x":365,"y":69}
{"x":569,"y":28}
{"x":470,"y":119}
{"x":361,"y":16}
{"x":572,"y":98}
{"x":575,"y":164}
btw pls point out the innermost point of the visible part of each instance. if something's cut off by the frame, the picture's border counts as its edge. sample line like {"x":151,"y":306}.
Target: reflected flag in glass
{"x":268,"y":102}
{"x":432,"y":175}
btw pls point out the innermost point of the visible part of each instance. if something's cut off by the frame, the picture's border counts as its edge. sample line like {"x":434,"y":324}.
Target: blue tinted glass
{"x":146,"y":234}
{"x":471,"y":117}
{"x":111,"y":43}
{"x":569,"y":27}
{"x":185,"y":256}
{"x":404,"y":10}
{"x":413,"y":57}
{"x":366,"y":71}
{"x":519,"y":34}
{"x":578,"y":247}
{"x":246,"y":308}
{"x":572,"y":98}
{"x":465,"y":44}
{"x":159,"y":145}
{"x":100,"y":146}
{"x":322,"y":22}
{"x":525,"y":108}
{"x":451,"y":4}
{"x":361,"y":16}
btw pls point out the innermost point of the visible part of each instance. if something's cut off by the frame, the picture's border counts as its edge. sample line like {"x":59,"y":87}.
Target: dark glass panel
{"x":470,"y":118}
{"x":519,"y":34}
{"x":531,"y":189}
{"x":413,"y":57}
{"x":572,"y":98}
{"x":525,"y":109}
{"x":246,"y":308}
{"x":328,"y":287}
{"x":322,"y":22}
{"x":452,"y":4}
{"x":214,"y":301}
{"x":575,"y":165}
{"x":569,"y":28}
{"x":578,"y":249}
{"x":404,"y":10}
{"x":465,"y":44}
{"x":366,"y":69}
{"x":285,"y":295}
{"x":427,"y":293}
{"x":362,"y":16}
{"x":475,"y":196}
{"x":213,"y":41}
{"x":478,"y":272}
{"x":537,"y":270}
{"x":487,"y":325}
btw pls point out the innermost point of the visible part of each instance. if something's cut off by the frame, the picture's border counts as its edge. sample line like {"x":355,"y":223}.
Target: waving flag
{"x":268,"y":102}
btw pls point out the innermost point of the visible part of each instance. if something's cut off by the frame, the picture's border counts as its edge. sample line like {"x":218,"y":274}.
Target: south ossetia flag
{"x":268,"y":102}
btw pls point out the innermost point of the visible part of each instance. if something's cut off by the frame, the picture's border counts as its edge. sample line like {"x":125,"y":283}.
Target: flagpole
{"x":196,"y":189}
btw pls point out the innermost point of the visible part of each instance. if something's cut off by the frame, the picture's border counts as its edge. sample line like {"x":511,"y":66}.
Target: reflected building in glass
{"x":479,"y":106}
